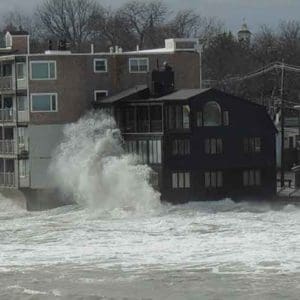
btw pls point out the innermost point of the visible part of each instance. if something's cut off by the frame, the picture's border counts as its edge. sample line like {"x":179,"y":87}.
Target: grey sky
{"x":231,"y":12}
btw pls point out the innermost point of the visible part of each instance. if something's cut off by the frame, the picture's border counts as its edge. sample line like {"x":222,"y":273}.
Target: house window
{"x":213,"y":179}
{"x":24,"y":168}
{"x":252,"y":145}
{"x":181,"y":180}
{"x":21,"y":70}
{"x":181,"y":147}
{"x":7,"y":69}
{"x":143,"y":151}
{"x":213,"y":146}
{"x":100,"y":95}
{"x":252,"y":178}
{"x":138,"y":65}
{"x":21,"y":135}
{"x":43,"y":102}
{"x":155,"y":152}
{"x":225,"y":118}
{"x":22,"y":103}
{"x":179,"y":117}
{"x":131,"y":147}
{"x":156,"y":118}
{"x":199,"y":118}
{"x":43,"y":70}
{"x":212,"y":114}
{"x":149,"y":151}
{"x":100,"y":65}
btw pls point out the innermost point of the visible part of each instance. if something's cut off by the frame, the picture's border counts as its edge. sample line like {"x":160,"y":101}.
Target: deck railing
{"x":7,"y":179}
{"x":7,"y":147}
{"x":6,"y":83}
{"x":7,"y":115}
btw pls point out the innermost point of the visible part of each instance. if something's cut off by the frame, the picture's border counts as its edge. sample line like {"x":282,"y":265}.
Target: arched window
{"x":212,"y":115}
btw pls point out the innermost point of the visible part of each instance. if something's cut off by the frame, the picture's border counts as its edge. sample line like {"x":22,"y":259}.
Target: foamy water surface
{"x":119,"y":242}
{"x":173,"y":245}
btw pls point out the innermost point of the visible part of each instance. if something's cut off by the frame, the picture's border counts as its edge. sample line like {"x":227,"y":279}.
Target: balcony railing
{"x":6,"y":83}
{"x":7,"y":115}
{"x":7,"y":147}
{"x":7,"y":179}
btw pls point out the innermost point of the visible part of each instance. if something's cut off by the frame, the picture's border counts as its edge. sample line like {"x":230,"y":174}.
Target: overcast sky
{"x":231,"y":12}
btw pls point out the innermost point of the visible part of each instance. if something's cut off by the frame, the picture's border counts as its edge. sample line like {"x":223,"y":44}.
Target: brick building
{"x":39,"y":93}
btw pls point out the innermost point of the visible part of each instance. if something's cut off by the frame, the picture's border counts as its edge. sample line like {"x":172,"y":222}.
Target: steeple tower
{"x":244,"y":34}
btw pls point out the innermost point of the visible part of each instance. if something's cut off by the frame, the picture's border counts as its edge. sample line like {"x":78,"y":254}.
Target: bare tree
{"x":144,"y":19}
{"x":68,"y":19}
{"x":110,"y":29}
{"x":186,"y":23}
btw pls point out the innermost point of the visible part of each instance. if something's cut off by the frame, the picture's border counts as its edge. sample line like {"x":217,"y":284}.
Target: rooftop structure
{"x":244,"y":34}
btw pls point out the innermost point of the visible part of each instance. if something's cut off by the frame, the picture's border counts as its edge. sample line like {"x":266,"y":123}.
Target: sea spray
{"x":91,"y":166}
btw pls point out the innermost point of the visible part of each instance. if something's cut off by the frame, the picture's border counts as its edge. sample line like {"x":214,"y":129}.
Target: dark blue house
{"x":202,"y":144}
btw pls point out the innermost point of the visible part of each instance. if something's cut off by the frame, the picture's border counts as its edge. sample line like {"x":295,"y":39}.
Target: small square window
{"x":213,"y":179}
{"x":181,"y":180}
{"x":43,"y":70}
{"x":138,"y":65}
{"x":43,"y":102}
{"x":100,"y":65}
{"x":100,"y":95}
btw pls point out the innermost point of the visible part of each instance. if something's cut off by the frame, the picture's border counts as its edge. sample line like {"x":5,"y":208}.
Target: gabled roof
{"x":183,"y":94}
{"x":132,"y":92}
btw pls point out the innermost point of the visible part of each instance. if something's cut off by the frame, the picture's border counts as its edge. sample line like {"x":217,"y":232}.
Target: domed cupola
{"x":244,"y":34}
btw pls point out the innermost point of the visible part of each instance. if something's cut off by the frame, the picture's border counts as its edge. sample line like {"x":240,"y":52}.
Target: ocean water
{"x":209,"y":250}
{"x":120,"y":242}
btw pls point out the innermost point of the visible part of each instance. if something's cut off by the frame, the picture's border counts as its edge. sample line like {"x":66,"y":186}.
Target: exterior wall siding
{"x":44,"y":139}
{"x":76,"y":80}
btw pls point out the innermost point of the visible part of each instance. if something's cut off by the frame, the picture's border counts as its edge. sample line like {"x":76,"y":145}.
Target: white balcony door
{"x":23,"y":139}
{"x":21,"y":75}
{"x":23,"y":109}
{"x":24,"y":173}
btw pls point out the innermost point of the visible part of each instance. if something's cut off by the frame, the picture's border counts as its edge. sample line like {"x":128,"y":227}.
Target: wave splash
{"x":91,"y":166}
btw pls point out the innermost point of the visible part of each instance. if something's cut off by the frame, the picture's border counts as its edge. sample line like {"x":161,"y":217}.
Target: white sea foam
{"x":91,"y":166}
{"x":10,"y":205}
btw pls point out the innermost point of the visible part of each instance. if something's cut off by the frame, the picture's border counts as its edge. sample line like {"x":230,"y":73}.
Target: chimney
{"x":162,"y":81}
{"x":18,"y":41}
{"x":50,"y":45}
{"x":111,"y":49}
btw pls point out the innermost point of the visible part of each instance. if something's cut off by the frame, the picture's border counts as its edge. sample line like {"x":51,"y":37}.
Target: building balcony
{"x":7,"y":115}
{"x":7,"y":180}
{"x":6,"y":84}
{"x":23,"y":116}
{"x":7,"y":147}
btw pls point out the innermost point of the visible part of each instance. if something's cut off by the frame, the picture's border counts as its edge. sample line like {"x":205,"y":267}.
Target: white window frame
{"x":99,"y":91}
{"x":105,"y":63}
{"x":138,"y":59}
{"x":44,"y":94}
{"x":44,"y":61}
